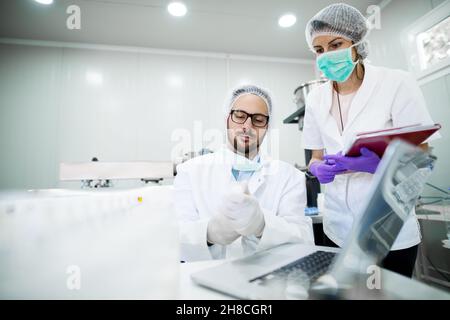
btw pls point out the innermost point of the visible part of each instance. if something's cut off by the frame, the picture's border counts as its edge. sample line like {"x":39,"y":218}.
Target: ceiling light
{"x":94,"y":78}
{"x":44,"y":1}
{"x":287,"y":20}
{"x":175,"y":81}
{"x":177,"y":9}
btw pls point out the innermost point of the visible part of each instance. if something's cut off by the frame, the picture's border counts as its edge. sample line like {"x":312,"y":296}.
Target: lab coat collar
{"x":363,"y":95}
{"x":257,"y":178}
{"x":325,"y":102}
{"x":230,"y":154}
{"x":359,"y":102}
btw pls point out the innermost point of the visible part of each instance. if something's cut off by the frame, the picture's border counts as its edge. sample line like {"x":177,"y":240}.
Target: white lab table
{"x":444,"y":216}
{"x":437,"y":217}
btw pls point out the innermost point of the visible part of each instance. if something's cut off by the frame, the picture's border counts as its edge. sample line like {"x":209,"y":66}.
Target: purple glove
{"x":325,"y":172}
{"x":367,"y":162}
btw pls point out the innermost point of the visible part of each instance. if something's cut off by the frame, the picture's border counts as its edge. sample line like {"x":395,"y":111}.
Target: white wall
{"x":386,"y":50}
{"x":50,"y":113}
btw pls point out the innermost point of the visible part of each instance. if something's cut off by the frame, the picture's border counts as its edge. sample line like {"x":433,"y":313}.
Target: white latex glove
{"x":243,"y":211}
{"x":220,"y":231}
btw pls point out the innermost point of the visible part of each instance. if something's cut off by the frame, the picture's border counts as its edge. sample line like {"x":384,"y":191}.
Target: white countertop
{"x":443,"y":216}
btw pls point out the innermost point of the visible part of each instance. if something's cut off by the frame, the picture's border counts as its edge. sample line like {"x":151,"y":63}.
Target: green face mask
{"x":337,"y":65}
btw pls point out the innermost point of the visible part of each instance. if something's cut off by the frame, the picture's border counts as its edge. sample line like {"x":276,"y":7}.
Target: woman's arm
{"x":317,"y":155}
{"x":424,"y":147}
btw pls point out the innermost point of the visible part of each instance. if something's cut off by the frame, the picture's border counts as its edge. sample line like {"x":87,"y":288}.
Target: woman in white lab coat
{"x":359,"y":97}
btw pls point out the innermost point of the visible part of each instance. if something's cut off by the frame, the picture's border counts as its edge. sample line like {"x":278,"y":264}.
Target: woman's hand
{"x":325,"y":172}
{"x":367,"y":162}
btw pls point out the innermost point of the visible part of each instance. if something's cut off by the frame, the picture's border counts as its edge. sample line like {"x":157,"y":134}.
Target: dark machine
{"x":312,"y":184}
{"x":300,"y":94}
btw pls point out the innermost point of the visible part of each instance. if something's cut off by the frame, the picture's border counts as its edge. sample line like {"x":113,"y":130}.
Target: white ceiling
{"x":226,"y":26}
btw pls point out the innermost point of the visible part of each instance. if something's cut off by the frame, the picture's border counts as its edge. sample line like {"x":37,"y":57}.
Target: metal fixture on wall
{"x":300,"y":95}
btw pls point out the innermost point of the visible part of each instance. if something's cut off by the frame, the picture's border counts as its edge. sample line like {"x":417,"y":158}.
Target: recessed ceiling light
{"x":94,"y":78}
{"x":44,"y":1}
{"x":177,"y":9}
{"x":287,"y":20}
{"x":174,"y":81}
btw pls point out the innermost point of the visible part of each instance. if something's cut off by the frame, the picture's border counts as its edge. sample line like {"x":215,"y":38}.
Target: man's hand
{"x":243,"y":211}
{"x":220,"y":231}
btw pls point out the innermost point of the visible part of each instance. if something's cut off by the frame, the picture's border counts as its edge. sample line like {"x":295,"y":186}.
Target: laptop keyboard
{"x":313,"y":266}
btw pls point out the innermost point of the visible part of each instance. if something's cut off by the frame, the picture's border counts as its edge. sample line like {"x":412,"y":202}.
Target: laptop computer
{"x":294,"y":271}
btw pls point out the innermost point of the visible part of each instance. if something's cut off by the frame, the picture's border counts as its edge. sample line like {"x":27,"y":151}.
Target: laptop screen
{"x":396,"y":186}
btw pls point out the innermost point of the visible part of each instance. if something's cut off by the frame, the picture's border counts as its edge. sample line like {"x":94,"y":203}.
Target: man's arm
{"x":193,"y":229}
{"x":200,"y":238}
{"x":290,"y":224}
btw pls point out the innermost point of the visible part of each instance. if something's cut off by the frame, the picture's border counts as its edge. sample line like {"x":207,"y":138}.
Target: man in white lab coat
{"x":236,"y":201}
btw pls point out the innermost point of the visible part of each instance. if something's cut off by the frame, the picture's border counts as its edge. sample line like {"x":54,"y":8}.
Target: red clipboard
{"x":377,"y":141}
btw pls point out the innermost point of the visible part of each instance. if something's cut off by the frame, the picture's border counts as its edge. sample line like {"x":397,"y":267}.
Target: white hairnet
{"x":249,"y":89}
{"x":341,"y":20}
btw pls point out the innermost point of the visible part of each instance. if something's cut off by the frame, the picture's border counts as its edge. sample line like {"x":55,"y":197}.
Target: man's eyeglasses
{"x":258,"y":120}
